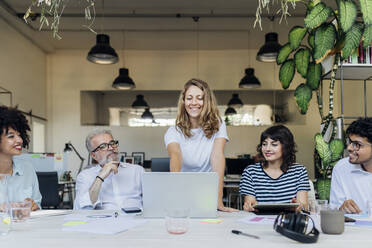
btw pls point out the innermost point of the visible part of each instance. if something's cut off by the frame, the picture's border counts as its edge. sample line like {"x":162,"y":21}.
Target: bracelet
{"x":100,"y":178}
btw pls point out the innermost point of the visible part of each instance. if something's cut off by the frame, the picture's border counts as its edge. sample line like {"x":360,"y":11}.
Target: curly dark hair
{"x":361,"y":127}
{"x":13,"y":118}
{"x":285,"y":137}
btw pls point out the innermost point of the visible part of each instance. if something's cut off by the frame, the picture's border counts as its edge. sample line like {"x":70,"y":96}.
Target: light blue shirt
{"x":23,"y":183}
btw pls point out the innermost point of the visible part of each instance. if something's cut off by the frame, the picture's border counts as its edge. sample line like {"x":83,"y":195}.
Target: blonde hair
{"x":209,"y":119}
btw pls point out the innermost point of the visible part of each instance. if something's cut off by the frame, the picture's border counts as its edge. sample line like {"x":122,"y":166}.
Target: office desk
{"x":46,"y":232}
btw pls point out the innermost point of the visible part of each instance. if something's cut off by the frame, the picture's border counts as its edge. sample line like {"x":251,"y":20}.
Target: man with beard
{"x":109,"y":184}
{"x":351,"y":186}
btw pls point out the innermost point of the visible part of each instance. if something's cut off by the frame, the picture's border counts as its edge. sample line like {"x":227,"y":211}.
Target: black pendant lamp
{"x":140,"y":102}
{"x":147,"y":114}
{"x":270,"y":49}
{"x":235,"y":101}
{"x":102,"y":53}
{"x":249,"y":80}
{"x":123,"y":81}
{"x":230,"y":111}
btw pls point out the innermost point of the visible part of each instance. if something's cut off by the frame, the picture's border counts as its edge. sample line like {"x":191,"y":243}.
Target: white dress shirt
{"x":350,"y":182}
{"x":123,"y":189}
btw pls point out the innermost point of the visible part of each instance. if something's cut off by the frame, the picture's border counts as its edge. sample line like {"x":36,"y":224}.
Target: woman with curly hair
{"x":22,"y":182}
{"x":277,"y":178}
{"x":197,"y":142}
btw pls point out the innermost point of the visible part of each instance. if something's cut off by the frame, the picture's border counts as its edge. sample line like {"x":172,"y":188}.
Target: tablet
{"x":275,"y":208}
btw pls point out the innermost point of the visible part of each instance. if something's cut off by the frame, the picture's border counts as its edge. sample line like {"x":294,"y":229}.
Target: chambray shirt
{"x":23,"y":183}
{"x":350,"y":181}
{"x":123,"y":189}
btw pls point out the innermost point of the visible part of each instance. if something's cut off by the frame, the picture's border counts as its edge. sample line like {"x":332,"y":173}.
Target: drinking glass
{"x":177,"y":220}
{"x":5,"y":214}
{"x":321,"y":205}
{"x":21,"y":210}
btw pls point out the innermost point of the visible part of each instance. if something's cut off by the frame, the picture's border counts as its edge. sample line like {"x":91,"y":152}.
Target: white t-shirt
{"x":196,"y":150}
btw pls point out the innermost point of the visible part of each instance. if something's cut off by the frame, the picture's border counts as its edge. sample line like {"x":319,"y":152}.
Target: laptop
{"x":197,"y":191}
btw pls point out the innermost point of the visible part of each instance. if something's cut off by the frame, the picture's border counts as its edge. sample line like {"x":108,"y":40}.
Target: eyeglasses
{"x":355,"y":144}
{"x":105,"y":146}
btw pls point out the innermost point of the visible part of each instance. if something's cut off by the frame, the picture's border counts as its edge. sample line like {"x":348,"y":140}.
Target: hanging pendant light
{"x":140,"y":102}
{"x":147,"y":114}
{"x":230,"y":111}
{"x":249,"y":80}
{"x":270,"y":49}
{"x":235,"y":101}
{"x":123,"y":81}
{"x":102,"y":53}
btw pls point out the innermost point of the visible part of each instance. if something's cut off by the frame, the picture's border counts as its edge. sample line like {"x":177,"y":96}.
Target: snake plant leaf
{"x":337,"y":149}
{"x":303,"y":96}
{"x":323,"y":187}
{"x":325,"y":37}
{"x":367,"y":36}
{"x":295,"y":36}
{"x":311,"y":39}
{"x":318,"y":15}
{"x":323,"y":149}
{"x":283,"y":53}
{"x":302,"y":59}
{"x":348,"y":13}
{"x":352,"y":40}
{"x":366,"y":9}
{"x":286,"y":73}
{"x":314,"y":74}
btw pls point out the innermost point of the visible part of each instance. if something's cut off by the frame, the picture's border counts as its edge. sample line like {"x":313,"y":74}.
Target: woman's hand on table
{"x":222,"y":208}
{"x":34,"y":206}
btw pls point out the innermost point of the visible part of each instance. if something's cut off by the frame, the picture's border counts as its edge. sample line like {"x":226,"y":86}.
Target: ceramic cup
{"x":332,"y":221}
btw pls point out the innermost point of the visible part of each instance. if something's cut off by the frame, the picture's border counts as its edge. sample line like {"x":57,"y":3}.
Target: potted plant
{"x":330,"y":32}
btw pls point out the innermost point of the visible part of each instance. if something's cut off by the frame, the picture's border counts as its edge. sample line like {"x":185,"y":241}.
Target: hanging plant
{"x":52,"y":10}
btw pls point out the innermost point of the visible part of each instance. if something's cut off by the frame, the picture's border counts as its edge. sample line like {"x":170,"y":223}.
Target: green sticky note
{"x":211,"y":221}
{"x":74,"y":223}
{"x":35,"y":156}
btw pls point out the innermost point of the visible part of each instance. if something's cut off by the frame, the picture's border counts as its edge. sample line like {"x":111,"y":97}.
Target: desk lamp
{"x":68,"y":148}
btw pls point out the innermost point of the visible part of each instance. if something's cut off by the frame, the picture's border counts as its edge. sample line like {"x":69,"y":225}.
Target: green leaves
{"x":367,"y":35}
{"x":286,"y":73}
{"x":302,"y":59}
{"x":311,"y":40}
{"x":348,"y":13}
{"x":323,"y":187}
{"x":337,"y":149}
{"x":352,"y":40}
{"x":318,"y":15}
{"x":366,"y":9}
{"x":283,"y":53}
{"x":325,"y":37}
{"x":323,"y":149}
{"x":314,"y":75}
{"x":295,"y":36}
{"x":303,"y":96}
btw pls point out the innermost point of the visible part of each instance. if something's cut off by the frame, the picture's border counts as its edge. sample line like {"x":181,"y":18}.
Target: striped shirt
{"x":255,"y":182}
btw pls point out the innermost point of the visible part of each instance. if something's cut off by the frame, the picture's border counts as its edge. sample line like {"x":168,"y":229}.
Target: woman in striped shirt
{"x":278,"y":178}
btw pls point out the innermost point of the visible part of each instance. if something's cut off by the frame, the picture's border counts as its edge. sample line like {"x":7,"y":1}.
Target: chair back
{"x":48,"y":186}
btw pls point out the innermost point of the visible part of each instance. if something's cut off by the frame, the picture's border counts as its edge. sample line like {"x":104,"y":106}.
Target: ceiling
{"x":114,"y":16}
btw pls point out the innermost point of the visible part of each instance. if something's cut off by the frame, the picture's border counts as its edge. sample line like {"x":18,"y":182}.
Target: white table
{"x":45,"y":231}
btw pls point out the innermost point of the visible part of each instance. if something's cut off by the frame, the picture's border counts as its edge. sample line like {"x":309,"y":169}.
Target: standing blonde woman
{"x":197,"y":142}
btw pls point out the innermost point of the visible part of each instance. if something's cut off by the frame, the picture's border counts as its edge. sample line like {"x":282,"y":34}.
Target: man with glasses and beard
{"x":109,"y":184}
{"x":351,"y":186}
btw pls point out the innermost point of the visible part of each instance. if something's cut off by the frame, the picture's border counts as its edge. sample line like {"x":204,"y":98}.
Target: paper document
{"x":100,"y":225}
{"x":262,"y":219}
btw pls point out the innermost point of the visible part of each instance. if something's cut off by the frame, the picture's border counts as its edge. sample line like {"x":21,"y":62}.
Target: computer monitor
{"x":236,"y":166}
{"x":160,"y":164}
{"x":196,"y":191}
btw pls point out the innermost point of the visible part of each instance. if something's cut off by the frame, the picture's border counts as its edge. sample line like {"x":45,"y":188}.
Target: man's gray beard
{"x":113,"y":156}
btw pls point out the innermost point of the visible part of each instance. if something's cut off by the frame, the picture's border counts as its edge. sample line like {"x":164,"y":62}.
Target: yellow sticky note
{"x":74,"y":223}
{"x":6,"y":221}
{"x":211,"y":221}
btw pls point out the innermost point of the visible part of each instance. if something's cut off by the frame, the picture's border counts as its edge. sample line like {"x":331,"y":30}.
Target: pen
{"x":116,"y":214}
{"x":245,"y":234}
